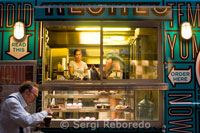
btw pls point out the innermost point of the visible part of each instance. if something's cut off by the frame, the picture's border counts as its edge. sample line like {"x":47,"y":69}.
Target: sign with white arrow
{"x":179,"y":76}
{"x":19,"y":49}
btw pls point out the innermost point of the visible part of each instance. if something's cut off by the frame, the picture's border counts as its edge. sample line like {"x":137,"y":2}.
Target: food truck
{"x":153,"y":47}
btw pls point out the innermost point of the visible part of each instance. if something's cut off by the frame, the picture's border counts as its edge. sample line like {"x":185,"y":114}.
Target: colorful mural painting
{"x":180,"y":57}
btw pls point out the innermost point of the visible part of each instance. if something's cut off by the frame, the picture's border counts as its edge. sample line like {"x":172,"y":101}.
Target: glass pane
{"x":104,"y":104}
{"x":130,"y":53}
{"x":91,"y":105}
{"x":147,"y":105}
{"x":73,"y":52}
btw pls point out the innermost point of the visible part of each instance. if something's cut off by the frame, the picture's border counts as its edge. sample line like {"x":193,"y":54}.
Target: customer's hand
{"x":49,"y":111}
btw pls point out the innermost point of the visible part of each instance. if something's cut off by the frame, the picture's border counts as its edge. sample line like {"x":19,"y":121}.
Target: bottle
{"x":145,"y":109}
{"x":59,"y":67}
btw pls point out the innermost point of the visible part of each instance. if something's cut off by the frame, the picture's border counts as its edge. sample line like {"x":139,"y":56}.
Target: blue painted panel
{"x":197,"y":96}
{"x":6,"y":45}
{"x":198,"y":120}
{"x":15,"y":15}
{"x":41,"y":14}
{"x":31,"y":46}
{"x":180,"y":117}
{"x":85,"y":1}
{"x":180,"y":10}
{"x":175,"y":54}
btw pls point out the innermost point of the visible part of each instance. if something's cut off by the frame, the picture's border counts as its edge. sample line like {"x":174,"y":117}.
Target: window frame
{"x":101,"y":24}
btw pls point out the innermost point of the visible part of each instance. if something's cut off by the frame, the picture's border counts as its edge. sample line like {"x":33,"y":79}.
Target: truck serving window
{"x":125,"y":52}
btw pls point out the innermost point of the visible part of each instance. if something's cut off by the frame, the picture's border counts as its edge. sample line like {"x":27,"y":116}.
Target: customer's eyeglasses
{"x":35,"y":95}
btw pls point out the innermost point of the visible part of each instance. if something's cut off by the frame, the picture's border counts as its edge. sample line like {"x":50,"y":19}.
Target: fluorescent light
{"x":118,"y":38}
{"x":116,"y":29}
{"x":86,"y":29}
{"x":104,"y":29}
{"x":90,"y":37}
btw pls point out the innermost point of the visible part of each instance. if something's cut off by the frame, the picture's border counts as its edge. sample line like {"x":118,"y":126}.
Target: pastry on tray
{"x":57,"y":106}
{"x":121,"y":107}
{"x":54,"y":106}
{"x":103,"y":92}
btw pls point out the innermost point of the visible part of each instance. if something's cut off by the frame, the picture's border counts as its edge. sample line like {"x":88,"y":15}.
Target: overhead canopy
{"x":138,"y":2}
{"x":68,"y":11}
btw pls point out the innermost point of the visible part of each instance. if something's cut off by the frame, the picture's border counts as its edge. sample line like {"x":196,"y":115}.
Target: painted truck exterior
{"x":180,"y":57}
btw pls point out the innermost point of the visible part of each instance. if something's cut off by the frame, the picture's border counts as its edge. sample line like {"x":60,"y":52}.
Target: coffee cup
{"x":47,"y":121}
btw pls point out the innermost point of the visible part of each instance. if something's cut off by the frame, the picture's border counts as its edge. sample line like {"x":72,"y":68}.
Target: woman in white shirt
{"x":78,"y":68}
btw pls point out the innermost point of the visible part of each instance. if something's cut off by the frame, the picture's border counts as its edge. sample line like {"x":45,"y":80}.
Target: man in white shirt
{"x":13,"y":117}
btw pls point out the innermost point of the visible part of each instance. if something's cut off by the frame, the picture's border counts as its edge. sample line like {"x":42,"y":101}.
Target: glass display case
{"x":104,"y":102}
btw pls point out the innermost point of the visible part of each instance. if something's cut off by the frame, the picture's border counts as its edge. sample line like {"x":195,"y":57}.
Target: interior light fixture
{"x":19,"y":30}
{"x":186,"y":30}
{"x":116,"y":29}
{"x":104,"y":29}
{"x":90,"y":38}
{"x":117,"y":38}
{"x":87,"y":29}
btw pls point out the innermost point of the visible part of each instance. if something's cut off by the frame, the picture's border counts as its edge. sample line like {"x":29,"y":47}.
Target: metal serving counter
{"x":82,"y":85}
